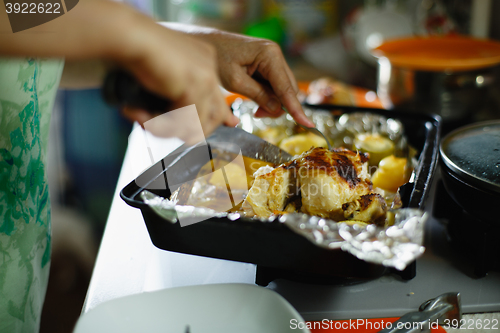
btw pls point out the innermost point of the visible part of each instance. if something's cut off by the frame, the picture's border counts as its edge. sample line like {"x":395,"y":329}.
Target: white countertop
{"x":128,"y":264}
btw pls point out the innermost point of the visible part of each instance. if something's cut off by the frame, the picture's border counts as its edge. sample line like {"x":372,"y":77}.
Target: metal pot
{"x":443,"y":75}
{"x":451,"y":95}
{"x":470,"y":164}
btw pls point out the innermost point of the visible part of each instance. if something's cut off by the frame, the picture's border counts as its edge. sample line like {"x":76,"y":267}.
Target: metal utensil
{"x":445,"y":309}
{"x":313,"y":130}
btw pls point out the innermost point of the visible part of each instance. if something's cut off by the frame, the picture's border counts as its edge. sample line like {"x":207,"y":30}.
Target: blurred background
{"x":320,"y":39}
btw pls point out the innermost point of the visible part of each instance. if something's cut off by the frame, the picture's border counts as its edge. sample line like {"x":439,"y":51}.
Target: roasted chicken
{"x":328,"y":179}
{"x":331,"y":184}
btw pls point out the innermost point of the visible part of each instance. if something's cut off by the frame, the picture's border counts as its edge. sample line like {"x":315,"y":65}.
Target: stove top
{"x":266,"y":275}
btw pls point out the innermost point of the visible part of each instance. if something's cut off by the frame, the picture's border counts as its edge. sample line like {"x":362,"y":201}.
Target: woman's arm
{"x":93,"y":29}
{"x":240,"y":59}
{"x":176,"y":66}
{"x":183,"y":66}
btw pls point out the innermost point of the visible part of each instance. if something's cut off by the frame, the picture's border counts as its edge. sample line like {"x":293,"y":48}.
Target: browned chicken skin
{"x":329,"y":179}
{"x":370,"y":208}
{"x":333,"y":184}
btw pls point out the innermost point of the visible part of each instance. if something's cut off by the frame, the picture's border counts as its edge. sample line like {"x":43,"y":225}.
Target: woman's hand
{"x":184,"y":70}
{"x":255,"y":68}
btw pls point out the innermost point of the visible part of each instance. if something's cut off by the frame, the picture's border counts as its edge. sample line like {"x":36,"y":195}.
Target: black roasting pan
{"x":271,"y":245}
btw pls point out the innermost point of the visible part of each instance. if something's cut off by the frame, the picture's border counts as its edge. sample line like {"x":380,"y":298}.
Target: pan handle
{"x":120,"y":88}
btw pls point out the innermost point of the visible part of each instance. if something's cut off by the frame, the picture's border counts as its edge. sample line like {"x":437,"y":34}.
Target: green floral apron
{"x":27,"y":93}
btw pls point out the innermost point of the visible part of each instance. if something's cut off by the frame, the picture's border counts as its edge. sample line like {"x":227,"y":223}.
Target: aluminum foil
{"x":394,"y":246}
{"x":340,"y":130}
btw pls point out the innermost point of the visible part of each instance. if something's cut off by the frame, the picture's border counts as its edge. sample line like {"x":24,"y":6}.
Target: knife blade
{"x":232,"y":139}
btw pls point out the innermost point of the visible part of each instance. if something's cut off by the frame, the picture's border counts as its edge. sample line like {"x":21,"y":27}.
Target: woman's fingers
{"x":274,"y":69}
{"x":242,"y":58}
{"x":284,"y":90}
{"x":232,"y":120}
{"x":263,"y":95}
{"x":214,"y":111}
{"x":292,"y":79}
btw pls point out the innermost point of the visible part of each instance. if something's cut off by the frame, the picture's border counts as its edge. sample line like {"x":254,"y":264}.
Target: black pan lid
{"x":473,"y":153}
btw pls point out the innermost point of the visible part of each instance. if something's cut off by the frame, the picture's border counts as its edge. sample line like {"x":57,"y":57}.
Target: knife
{"x":120,"y":88}
{"x":234,"y":139}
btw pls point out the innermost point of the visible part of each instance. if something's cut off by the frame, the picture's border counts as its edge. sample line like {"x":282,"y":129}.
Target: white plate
{"x":212,"y":308}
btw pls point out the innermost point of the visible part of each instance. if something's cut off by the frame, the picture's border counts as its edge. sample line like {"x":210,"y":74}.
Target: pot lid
{"x":453,"y":53}
{"x":473,"y":153}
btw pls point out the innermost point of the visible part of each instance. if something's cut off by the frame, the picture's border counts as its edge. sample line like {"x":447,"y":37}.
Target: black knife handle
{"x":122,"y":89}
